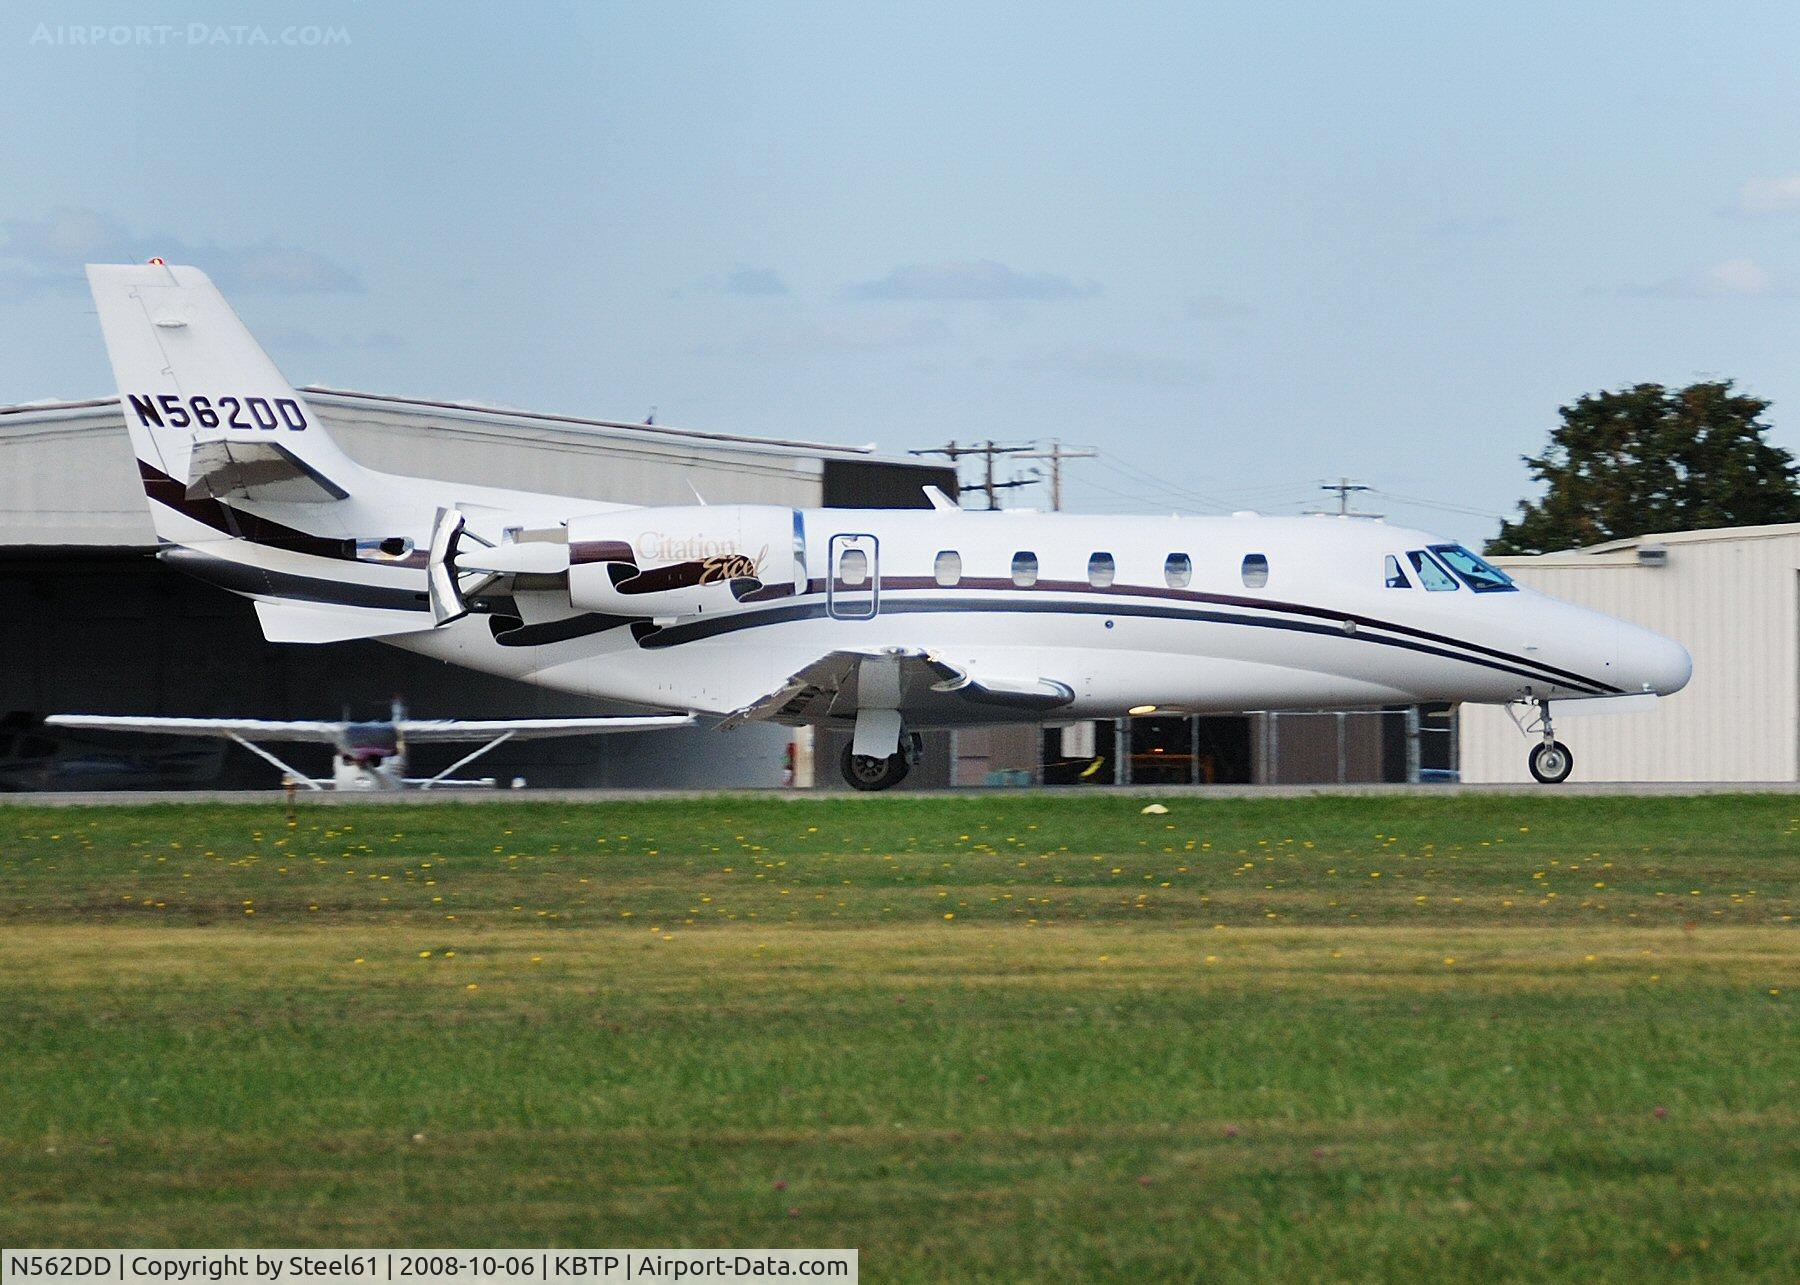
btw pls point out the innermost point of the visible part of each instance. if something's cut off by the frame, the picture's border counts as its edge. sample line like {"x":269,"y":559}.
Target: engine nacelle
{"x":687,"y":561}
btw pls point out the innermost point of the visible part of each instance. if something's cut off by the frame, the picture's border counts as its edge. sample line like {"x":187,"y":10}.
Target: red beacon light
{"x":158,"y":263}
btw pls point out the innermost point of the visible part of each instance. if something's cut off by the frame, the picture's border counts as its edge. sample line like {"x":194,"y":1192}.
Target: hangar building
{"x":94,"y":624}
{"x":1732,"y":597}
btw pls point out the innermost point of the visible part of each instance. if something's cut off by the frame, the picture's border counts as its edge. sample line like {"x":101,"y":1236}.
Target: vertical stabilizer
{"x":209,"y":414}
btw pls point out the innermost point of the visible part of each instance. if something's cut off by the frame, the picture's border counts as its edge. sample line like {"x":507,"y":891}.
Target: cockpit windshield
{"x":1430,"y":572}
{"x":1479,"y":574}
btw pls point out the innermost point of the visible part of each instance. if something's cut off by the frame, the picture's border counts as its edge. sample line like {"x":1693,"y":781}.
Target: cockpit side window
{"x":1396,"y":578}
{"x":1475,"y":571}
{"x":1430,"y":572}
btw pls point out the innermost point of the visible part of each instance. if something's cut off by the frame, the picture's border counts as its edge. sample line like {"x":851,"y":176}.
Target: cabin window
{"x":1025,"y":569}
{"x":1255,"y":570}
{"x":1396,"y":578}
{"x":1431,"y":574}
{"x":853,"y":568}
{"x":948,"y":568}
{"x":1178,"y":570}
{"x":1101,"y":570}
{"x":1475,"y":571}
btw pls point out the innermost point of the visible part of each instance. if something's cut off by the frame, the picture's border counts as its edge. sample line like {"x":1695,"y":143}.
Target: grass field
{"x":1008,"y":1037}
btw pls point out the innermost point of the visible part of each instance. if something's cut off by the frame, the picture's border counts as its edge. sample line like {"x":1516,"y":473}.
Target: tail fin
{"x":210,"y":416}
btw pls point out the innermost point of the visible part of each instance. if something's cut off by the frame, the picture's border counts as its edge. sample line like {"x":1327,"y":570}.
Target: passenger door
{"x":853,"y":591}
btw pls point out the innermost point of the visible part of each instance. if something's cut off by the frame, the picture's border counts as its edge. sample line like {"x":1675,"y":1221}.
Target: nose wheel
{"x":1551,"y":762}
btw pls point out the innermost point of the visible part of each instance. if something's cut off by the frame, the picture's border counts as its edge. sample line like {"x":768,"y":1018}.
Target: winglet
{"x":939,"y":501}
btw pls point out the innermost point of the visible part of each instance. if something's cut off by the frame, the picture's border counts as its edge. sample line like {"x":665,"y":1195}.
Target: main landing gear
{"x":865,"y":773}
{"x":1550,"y":761}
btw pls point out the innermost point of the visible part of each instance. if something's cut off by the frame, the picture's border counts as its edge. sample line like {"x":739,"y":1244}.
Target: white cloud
{"x":1769,"y":197}
{"x":970,"y":281}
{"x":48,"y":254}
{"x":1731,"y":279}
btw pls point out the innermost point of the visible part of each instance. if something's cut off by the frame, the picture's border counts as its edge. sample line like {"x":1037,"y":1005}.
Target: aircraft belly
{"x":1112,"y":662}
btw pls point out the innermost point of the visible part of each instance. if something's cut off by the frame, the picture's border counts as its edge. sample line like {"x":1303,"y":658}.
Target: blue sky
{"x":1238,"y":248}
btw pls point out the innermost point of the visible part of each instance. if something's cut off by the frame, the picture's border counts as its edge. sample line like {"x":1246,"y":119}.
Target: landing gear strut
{"x":1550,"y":761}
{"x":865,"y":773}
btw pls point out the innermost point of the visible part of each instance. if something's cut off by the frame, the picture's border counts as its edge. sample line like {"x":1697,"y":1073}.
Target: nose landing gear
{"x":1550,"y":761}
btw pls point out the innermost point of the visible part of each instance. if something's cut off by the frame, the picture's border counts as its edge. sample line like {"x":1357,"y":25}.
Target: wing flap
{"x":921,"y":684}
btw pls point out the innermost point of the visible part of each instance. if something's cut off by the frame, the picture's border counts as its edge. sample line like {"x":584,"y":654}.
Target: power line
{"x":1439,"y":504}
{"x":989,"y":452}
{"x":1056,"y":455}
{"x":1345,"y":488}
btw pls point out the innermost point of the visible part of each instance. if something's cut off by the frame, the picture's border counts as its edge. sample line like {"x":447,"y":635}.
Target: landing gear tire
{"x":864,"y":773}
{"x":1551,"y":762}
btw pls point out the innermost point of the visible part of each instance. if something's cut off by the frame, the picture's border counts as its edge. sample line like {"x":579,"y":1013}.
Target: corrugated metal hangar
{"x":95,"y":624}
{"x":1732,"y":597}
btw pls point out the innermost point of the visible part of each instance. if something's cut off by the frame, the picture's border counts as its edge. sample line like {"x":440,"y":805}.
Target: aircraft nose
{"x":1653,"y":663}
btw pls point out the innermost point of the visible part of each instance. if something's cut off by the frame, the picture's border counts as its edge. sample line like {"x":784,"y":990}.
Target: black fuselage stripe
{"x":1005,"y":586}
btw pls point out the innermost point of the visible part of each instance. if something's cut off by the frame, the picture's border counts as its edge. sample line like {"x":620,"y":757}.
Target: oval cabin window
{"x":1101,"y":570}
{"x":948,"y":568}
{"x":1255,"y":570}
{"x":1025,"y":569}
{"x":1179,"y":571}
{"x":853,"y":567}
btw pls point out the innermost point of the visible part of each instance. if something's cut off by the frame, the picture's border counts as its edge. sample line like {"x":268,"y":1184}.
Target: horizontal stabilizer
{"x":311,"y":622}
{"x":226,"y":468}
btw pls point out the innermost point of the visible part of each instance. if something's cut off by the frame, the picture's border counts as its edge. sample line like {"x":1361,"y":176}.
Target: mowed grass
{"x":1014,"y":1037}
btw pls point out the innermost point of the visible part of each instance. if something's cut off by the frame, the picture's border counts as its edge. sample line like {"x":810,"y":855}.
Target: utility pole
{"x":1056,"y":455}
{"x":990,"y":453}
{"x":1345,"y":488}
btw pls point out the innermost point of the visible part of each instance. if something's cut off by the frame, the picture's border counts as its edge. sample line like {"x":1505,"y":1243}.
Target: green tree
{"x":1650,"y":458}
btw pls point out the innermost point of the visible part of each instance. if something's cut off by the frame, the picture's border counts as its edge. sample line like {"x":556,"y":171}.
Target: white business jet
{"x":882,"y":622}
{"x":371,"y":755}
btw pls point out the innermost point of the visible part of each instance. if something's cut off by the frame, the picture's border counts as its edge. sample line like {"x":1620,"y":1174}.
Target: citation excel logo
{"x":719,"y":560}
{"x":732,"y":566}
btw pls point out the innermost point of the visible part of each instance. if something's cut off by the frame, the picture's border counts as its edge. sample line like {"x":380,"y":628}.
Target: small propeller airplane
{"x":881,"y":622}
{"x":371,"y":755}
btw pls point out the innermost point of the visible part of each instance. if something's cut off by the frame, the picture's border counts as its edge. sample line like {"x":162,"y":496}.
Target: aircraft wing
{"x":422,"y":731}
{"x":920,"y":684}
{"x":249,"y":729}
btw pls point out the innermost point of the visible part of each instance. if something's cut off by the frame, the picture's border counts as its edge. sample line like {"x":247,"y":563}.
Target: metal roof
{"x":67,"y":477}
{"x":1614,"y":550}
{"x":50,"y":407}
